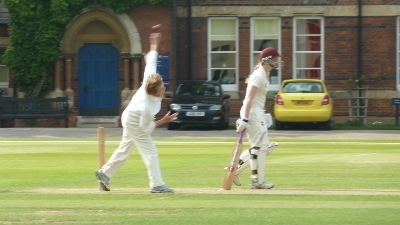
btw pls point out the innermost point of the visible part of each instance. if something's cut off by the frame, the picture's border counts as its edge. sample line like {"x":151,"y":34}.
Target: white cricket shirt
{"x":143,"y":107}
{"x":257,"y":79}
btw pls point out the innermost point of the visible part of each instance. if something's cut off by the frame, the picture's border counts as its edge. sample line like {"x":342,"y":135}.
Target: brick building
{"x":347,"y":43}
{"x":339,"y":41}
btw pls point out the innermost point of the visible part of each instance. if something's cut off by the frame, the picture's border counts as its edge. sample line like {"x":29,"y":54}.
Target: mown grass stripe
{"x":204,"y":142}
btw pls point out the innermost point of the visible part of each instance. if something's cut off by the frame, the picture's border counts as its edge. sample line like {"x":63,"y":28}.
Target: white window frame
{"x":225,"y":87}
{"x":397,"y":54}
{"x":322,"y":50}
{"x":272,"y":87}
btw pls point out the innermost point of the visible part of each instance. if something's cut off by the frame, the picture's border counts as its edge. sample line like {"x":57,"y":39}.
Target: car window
{"x":210,"y":89}
{"x":201,"y":89}
{"x":184,"y":89}
{"x":303,"y":87}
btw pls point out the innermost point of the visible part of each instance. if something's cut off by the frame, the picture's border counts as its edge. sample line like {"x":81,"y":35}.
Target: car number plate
{"x":195,"y":114}
{"x":303,"y":102}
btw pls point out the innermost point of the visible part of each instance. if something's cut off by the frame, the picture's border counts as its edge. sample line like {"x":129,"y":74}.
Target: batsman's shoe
{"x":263,"y":185}
{"x":236,"y":180}
{"x":104,"y":180}
{"x":161,"y":189}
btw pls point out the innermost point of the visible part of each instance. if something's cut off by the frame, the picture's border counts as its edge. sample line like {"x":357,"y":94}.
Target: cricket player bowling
{"x":138,"y":123}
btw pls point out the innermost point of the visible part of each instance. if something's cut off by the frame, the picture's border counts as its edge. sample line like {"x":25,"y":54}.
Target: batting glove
{"x":268,"y":120}
{"x":241,"y":125}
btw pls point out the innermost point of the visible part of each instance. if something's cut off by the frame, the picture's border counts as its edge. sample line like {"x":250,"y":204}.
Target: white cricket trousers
{"x":133,"y":136}
{"x":257,"y":135}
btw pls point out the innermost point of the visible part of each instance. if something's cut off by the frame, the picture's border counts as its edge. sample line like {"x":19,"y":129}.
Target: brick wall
{"x":181,"y":49}
{"x":379,"y":2}
{"x":340,"y":50}
{"x":288,"y":2}
{"x":199,"y":49}
{"x":244,"y":51}
{"x":379,"y":54}
{"x":144,"y":17}
{"x":272,"y":2}
{"x":287,"y":46}
{"x":381,"y":107}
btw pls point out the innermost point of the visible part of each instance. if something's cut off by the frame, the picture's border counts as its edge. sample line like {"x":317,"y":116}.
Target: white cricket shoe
{"x":104,"y":180}
{"x":263,"y":185}
{"x":161,"y":189}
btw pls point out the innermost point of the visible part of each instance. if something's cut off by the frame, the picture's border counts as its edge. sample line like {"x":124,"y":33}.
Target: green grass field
{"x":324,"y":182}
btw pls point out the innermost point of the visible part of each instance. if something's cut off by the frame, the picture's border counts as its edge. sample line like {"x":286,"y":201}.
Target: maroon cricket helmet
{"x":268,"y":53}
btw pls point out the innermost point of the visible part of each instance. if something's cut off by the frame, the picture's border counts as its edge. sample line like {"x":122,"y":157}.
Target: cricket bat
{"x":233,"y":163}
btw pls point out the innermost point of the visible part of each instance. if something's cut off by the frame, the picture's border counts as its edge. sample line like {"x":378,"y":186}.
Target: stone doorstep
{"x":97,"y":121}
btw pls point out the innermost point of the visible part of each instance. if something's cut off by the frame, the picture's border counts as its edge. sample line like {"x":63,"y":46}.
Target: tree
{"x":36,"y":30}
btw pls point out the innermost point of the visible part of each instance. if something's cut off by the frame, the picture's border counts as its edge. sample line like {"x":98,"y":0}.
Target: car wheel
{"x":224,"y":125}
{"x":278,"y":125}
{"x":328,"y":125}
{"x":173,"y":126}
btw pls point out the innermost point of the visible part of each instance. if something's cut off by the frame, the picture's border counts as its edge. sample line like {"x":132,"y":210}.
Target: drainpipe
{"x":189,"y":40}
{"x":174,"y":55}
{"x":360,"y":83}
{"x":360,"y":44}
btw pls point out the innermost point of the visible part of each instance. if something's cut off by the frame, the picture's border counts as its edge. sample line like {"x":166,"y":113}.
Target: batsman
{"x":256,"y":122}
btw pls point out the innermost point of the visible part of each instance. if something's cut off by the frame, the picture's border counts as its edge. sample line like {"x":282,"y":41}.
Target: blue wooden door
{"x":98,"y":80}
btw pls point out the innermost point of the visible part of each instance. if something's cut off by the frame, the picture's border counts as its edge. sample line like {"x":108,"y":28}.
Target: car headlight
{"x":215,"y":107}
{"x":175,"y":107}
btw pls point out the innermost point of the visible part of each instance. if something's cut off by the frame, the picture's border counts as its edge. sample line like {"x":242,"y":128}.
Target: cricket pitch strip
{"x":235,"y":191}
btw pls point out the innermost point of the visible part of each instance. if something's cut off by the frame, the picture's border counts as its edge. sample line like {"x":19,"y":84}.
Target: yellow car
{"x":303,"y":101}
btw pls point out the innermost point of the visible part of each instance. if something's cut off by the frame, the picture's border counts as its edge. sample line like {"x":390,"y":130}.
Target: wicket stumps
{"x":101,"y":148}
